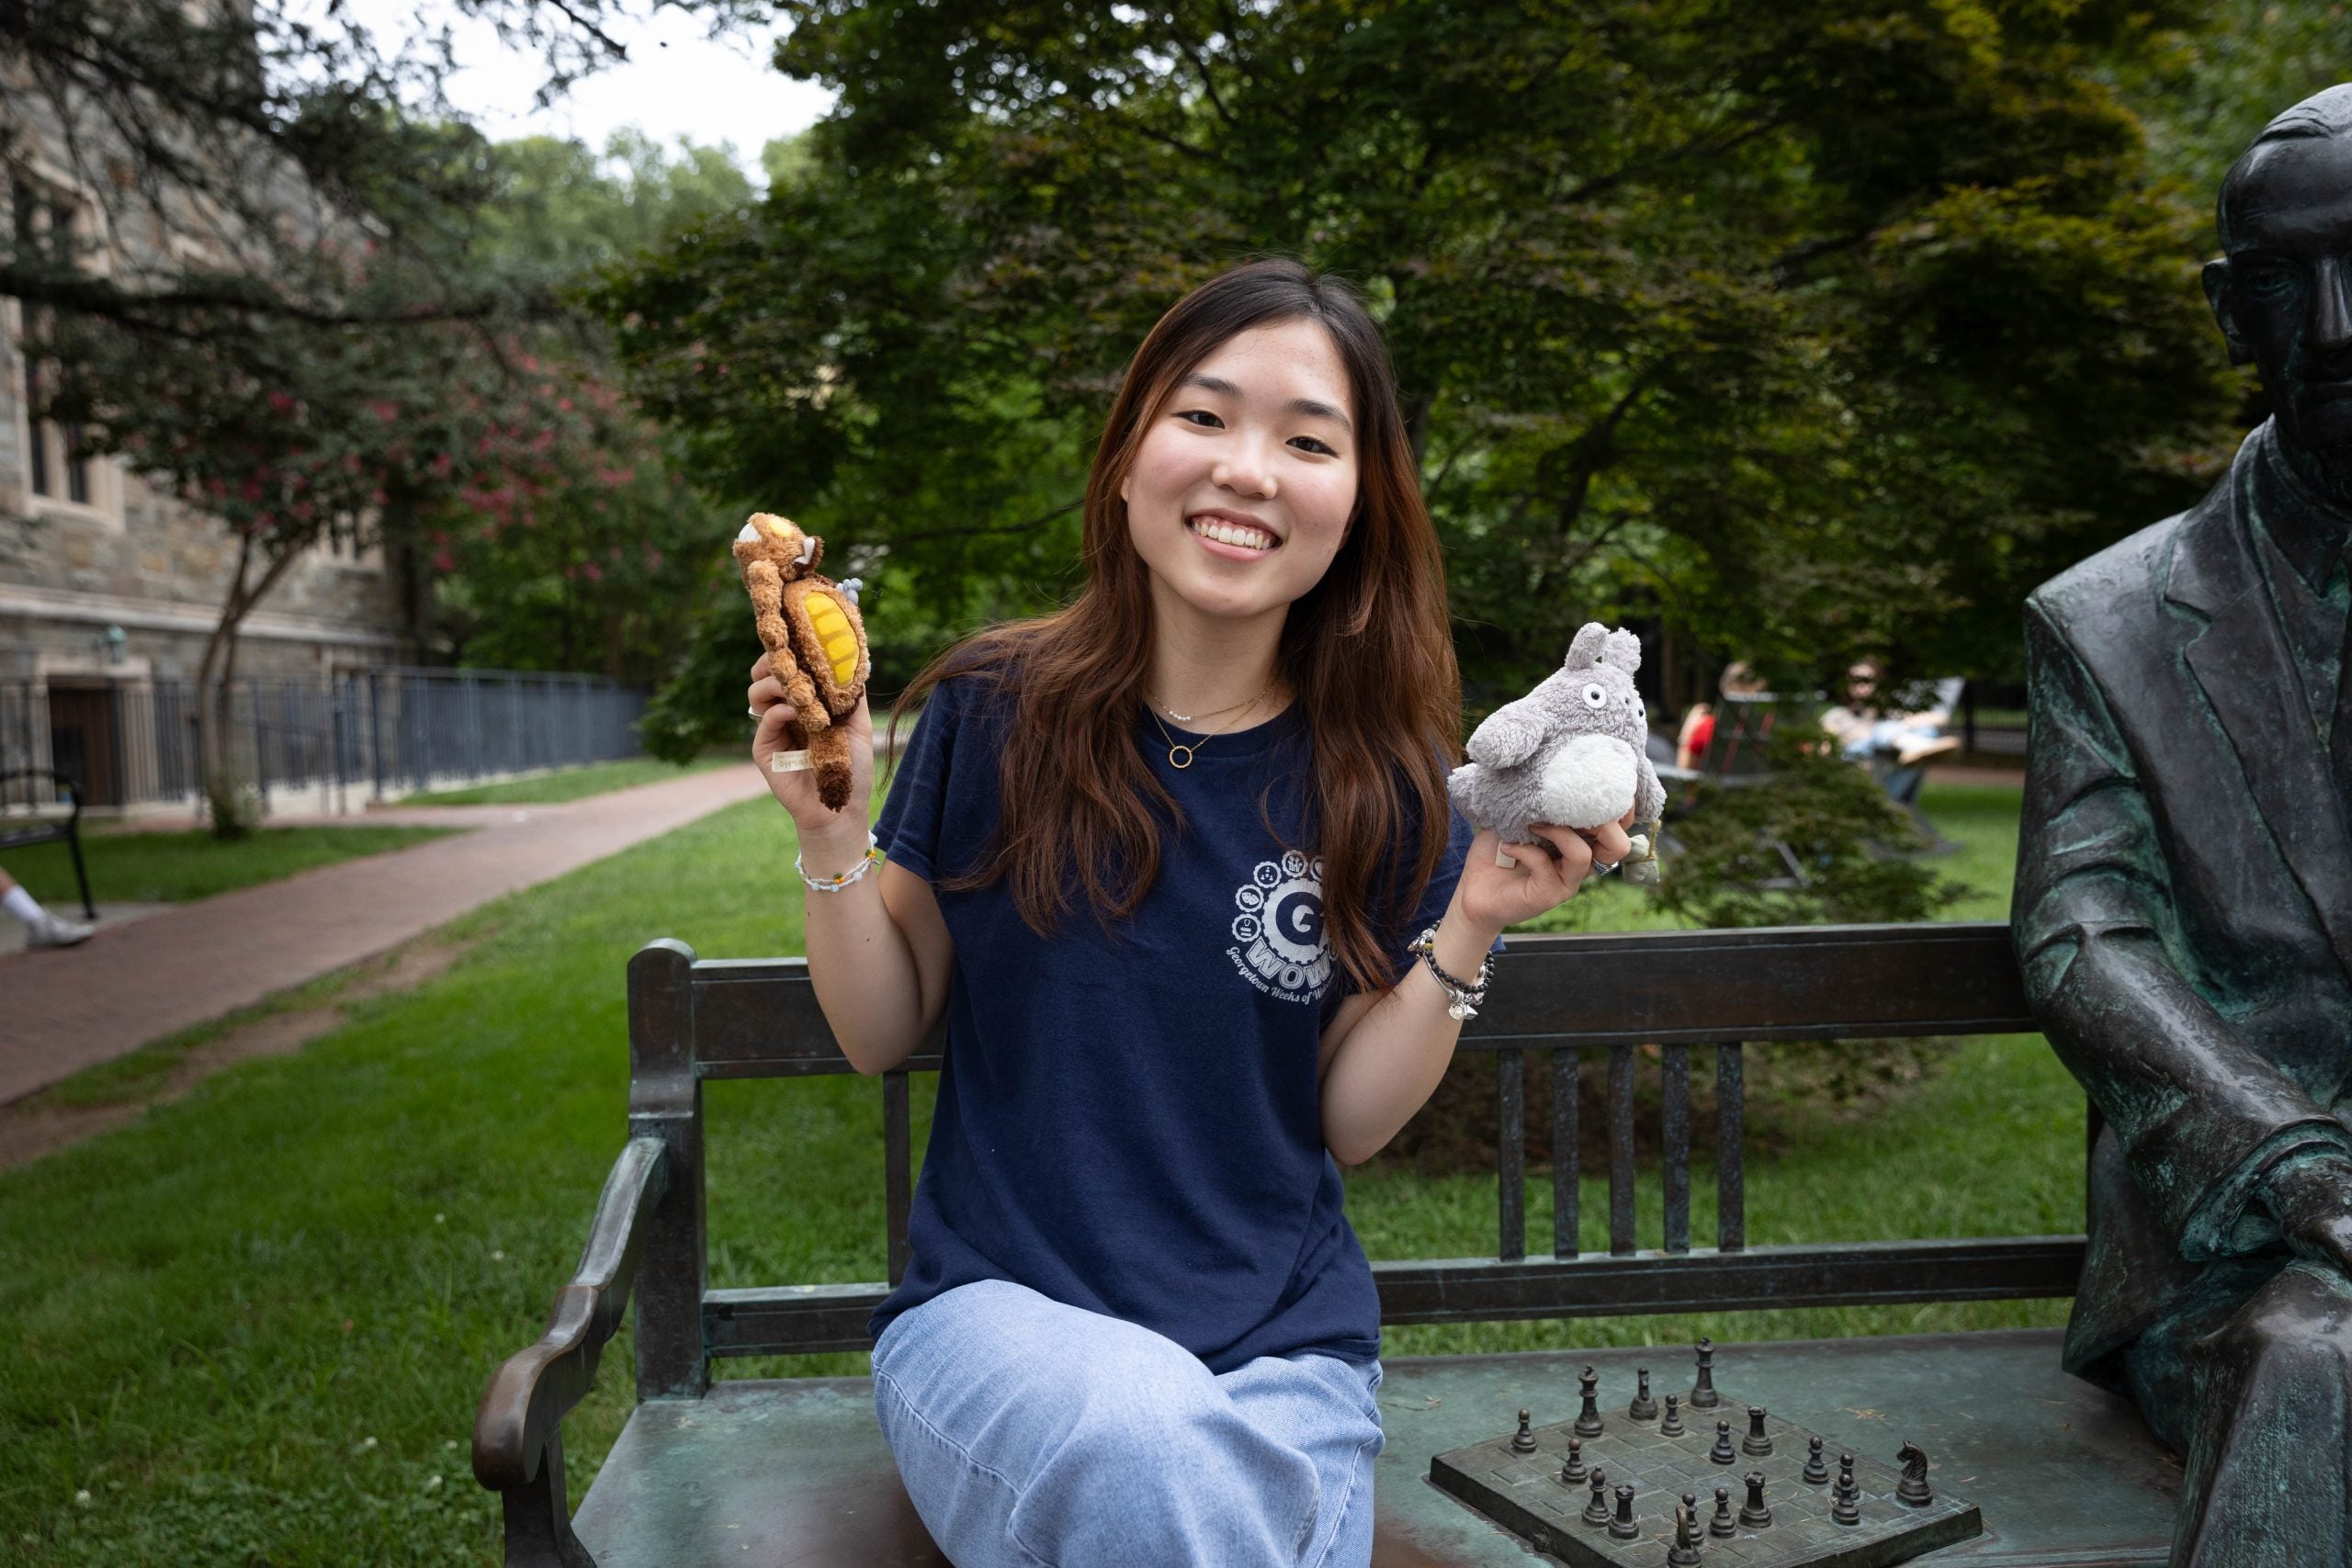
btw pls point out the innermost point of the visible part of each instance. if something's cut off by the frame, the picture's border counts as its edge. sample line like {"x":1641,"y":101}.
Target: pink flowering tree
{"x":582,"y":554}
{"x":412,"y":437}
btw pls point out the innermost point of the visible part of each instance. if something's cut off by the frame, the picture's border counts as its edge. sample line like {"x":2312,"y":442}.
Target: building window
{"x":353,"y":542}
{"x":55,"y":468}
{"x":37,"y":449}
{"x":53,"y":448}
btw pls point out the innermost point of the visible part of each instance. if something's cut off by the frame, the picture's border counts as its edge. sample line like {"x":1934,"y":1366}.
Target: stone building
{"x":109,"y":590}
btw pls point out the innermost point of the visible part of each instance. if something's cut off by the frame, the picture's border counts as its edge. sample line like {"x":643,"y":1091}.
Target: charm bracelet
{"x":1461,"y":1000}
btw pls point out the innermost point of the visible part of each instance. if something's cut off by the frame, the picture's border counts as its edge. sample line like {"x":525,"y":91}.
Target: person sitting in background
{"x":42,"y":927}
{"x":1699,"y":723}
{"x":1863,"y":731}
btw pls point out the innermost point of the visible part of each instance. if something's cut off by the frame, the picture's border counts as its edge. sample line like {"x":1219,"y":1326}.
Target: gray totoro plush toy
{"x":1570,"y":753}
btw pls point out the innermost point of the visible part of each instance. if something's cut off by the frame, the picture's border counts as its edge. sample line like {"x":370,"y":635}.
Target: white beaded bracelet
{"x":835,"y":884}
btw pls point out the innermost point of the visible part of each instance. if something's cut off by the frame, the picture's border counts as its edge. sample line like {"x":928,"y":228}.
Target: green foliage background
{"x":1787,"y":331}
{"x":1794,"y":330}
{"x":605,"y":572}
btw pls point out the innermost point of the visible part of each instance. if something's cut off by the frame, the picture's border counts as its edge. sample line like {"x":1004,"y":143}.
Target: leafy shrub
{"x":1815,"y":841}
{"x":700,"y":707}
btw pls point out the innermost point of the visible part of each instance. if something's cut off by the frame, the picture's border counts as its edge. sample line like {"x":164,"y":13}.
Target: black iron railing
{"x":356,"y":735}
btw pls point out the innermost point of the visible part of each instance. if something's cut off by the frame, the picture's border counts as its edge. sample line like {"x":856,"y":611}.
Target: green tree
{"x":787,"y":160}
{"x":2203,"y":94}
{"x":559,"y":212}
{"x":1811,"y":327}
{"x":605,"y":565}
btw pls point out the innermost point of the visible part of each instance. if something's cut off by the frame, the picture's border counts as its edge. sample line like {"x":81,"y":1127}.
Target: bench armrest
{"x":523,"y":1409}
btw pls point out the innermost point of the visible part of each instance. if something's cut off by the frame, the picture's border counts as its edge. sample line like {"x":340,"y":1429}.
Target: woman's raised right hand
{"x":796,"y":792}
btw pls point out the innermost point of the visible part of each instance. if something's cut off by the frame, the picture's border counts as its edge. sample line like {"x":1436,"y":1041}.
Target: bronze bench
{"x":762,"y":1474}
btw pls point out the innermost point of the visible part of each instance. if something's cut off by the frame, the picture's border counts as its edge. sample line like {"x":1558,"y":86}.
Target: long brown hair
{"x":1366,"y":652}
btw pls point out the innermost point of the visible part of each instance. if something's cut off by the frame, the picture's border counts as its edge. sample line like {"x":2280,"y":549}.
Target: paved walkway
{"x":65,"y":1010}
{"x":2011,"y":778}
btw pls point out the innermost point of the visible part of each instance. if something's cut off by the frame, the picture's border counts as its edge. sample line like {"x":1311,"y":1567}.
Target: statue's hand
{"x":2312,"y":1198}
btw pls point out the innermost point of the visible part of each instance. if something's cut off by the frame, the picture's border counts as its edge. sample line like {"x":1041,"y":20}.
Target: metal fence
{"x":1992,"y":719}
{"x":360,"y":734}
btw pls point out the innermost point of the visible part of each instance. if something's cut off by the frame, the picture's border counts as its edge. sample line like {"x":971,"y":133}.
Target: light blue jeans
{"x":1034,"y":1434}
{"x":1887,"y":734}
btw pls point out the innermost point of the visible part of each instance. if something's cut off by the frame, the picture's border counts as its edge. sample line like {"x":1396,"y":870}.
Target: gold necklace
{"x":1189,"y":752}
{"x":1187,"y":718}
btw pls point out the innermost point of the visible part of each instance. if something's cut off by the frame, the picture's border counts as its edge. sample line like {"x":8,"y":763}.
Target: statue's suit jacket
{"x":2184,"y":904}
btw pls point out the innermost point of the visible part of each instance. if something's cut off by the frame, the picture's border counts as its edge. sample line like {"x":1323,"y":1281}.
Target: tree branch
{"x":613,"y":46}
{"x":1437,"y":482}
{"x":1789,"y":266}
{"x":1209,"y":85}
{"x":1176,"y":142}
{"x":1592,"y":451}
{"x":1592,"y":548}
{"x":89,"y":295}
{"x":1699,"y":147}
{"x":966,"y":530}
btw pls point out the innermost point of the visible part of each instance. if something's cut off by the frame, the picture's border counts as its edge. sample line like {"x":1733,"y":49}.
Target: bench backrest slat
{"x":898,"y":1184}
{"x":1566,"y":1153}
{"x":759,"y":1018}
{"x":1621,"y":1150}
{"x":1772,"y":982}
{"x":1675,"y":1141}
{"x":1674,"y":1117}
{"x":1510,"y":1147}
{"x":1731,"y":1134}
{"x":804,"y":1319}
{"x":1564,"y":996}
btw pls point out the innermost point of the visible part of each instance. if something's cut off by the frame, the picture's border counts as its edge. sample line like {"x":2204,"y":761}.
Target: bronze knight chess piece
{"x":2184,"y":901}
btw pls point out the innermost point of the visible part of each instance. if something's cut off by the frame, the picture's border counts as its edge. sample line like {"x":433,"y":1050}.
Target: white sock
{"x":22,"y":905}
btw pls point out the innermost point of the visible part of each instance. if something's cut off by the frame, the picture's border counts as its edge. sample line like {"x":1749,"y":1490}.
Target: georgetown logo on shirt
{"x":1278,"y":935}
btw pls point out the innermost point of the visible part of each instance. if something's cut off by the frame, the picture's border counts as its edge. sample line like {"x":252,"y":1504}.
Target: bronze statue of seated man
{"x":2184,"y":901}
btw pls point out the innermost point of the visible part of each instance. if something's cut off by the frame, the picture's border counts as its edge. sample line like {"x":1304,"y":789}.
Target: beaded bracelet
{"x":836,"y":883}
{"x":1461,"y":1000}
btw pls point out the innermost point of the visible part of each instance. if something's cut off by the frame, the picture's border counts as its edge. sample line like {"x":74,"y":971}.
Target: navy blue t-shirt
{"x":1133,"y":1126}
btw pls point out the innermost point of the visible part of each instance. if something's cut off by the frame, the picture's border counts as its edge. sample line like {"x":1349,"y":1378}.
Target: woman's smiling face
{"x":1246,"y":477}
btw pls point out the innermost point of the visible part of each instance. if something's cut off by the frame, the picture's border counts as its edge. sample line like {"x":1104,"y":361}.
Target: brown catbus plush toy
{"x":815,"y":640}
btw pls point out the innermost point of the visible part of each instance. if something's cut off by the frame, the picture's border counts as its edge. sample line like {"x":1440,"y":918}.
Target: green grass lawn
{"x":1981,"y":820}
{"x":253,"y":1326}
{"x":570,"y":784}
{"x":175,"y":868}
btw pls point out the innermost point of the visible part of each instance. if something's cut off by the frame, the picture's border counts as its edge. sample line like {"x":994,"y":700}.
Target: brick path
{"x":62,"y":1010}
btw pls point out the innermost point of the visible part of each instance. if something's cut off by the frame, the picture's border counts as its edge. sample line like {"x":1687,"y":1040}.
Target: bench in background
{"x":763,"y":1473}
{"x":43,"y":825}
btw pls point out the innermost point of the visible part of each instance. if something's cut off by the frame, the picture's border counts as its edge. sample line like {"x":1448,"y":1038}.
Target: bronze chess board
{"x":1516,"y":1480}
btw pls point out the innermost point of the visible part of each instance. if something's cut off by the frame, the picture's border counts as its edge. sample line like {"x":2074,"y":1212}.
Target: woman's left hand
{"x":1496,"y":897}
